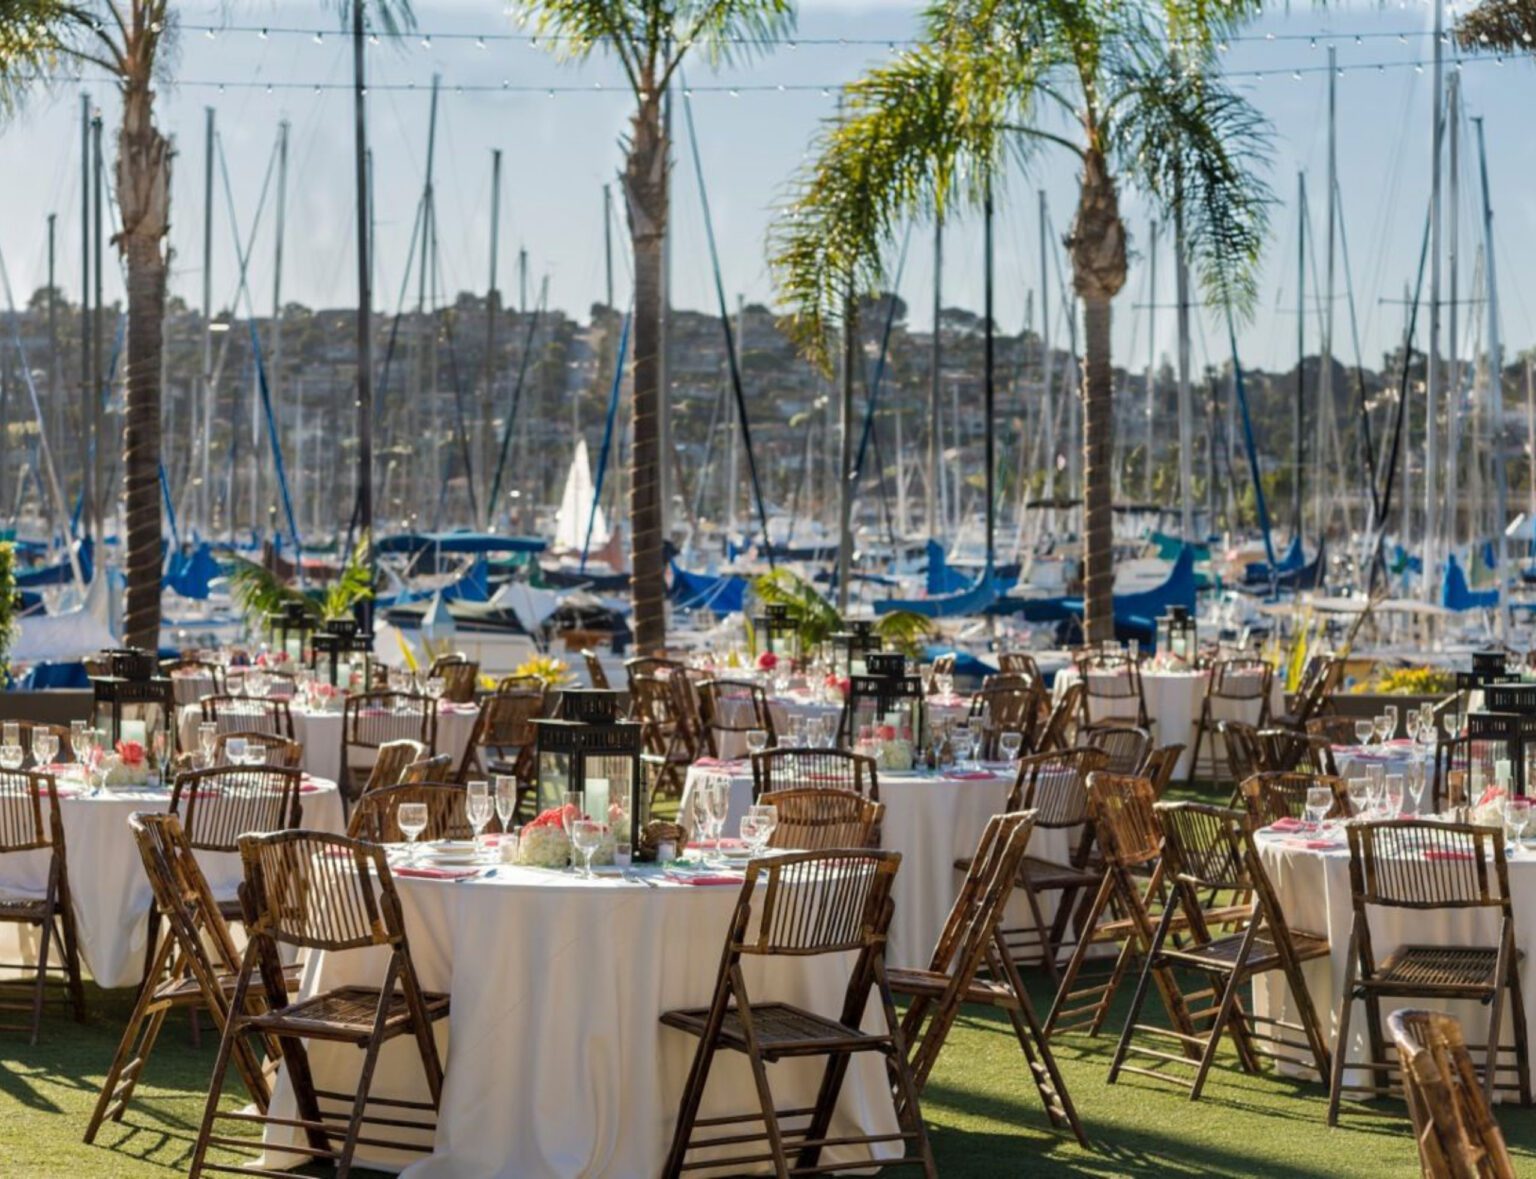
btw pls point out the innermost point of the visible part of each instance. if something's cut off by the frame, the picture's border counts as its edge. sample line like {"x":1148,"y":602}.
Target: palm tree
{"x":1125,"y":87}
{"x":1505,"y":26}
{"x":38,"y":40}
{"x":650,"y":39}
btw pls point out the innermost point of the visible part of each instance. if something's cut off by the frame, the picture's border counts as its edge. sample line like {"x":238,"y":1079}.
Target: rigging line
{"x":458,"y":395}
{"x":725,"y":323}
{"x":608,"y":421}
{"x":1367,"y":445}
{"x":880,"y":361}
{"x":517,"y":395}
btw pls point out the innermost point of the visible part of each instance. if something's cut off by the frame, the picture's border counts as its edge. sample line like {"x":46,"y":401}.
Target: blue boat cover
{"x":460,"y":542}
{"x":191,"y":573}
{"x":1455,"y":594}
{"x":58,"y":573}
{"x":726,"y":594}
{"x":941,"y":578}
{"x":973,"y":599}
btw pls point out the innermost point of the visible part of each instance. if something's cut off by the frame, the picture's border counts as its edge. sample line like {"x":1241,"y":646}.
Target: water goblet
{"x":506,"y":800}
{"x":1517,"y":815}
{"x":77,"y":741}
{"x":11,"y":733}
{"x":757,"y":740}
{"x":45,"y":746}
{"x":207,"y":738}
{"x":478,"y":808}
{"x":586,"y":838}
{"x":748,"y":829}
{"x":1392,"y":795}
{"x":1319,"y":803}
{"x":436,"y":687}
{"x":160,"y":750}
{"x":1009,"y":744}
{"x":1374,"y":789}
{"x":12,"y":755}
{"x":828,"y":730}
{"x":573,"y":806}
{"x":799,"y":735}
{"x":1359,"y":794}
{"x":235,"y":750}
{"x":1390,"y":712}
{"x":1364,"y":729}
{"x":1452,"y":724}
{"x":411,"y":818}
{"x":1384,"y":726}
{"x":767,"y":816}
{"x":1416,"y":780}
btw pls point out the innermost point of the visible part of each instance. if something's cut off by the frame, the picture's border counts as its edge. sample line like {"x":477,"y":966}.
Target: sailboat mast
{"x":98,"y":372}
{"x":608,"y":242}
{"x":363,"y":514}
{"x":1432,"y":376}
{"x":935,"y":381}
{"x":989,"y":389}
{"x":1495,"y":410}
{"x":1327,"y":418}
{"x":1047,"y":391}
{"x":1151,"y":350}
{"x":1186,"y":417}
{"x":1301,"y":351}
{"x":492,"y":305}
{"x":845,"y":450}
{"x":87,"y":419}
{"x":1453,"y":361}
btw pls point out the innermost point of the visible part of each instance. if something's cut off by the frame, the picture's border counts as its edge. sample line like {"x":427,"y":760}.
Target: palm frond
{"x":1508,"y":26}
{"x":1200,"y":149}
{"x":353,"y":585}
{"x":257,"y":592}
{"x":815,"y":617}
{"x":906,"y":631}
{"x":42,"y":41}
{"x":393,"y":18}
{"x":727,"y":32}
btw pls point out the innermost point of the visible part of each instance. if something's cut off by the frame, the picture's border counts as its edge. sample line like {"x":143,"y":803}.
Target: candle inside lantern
{"x":134,"y":730}
{"x":1501,"y":773}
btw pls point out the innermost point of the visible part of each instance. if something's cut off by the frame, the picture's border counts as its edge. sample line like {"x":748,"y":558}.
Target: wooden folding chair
{"x":817,"y":818}
{"x":330,"y":895}
{"x":669,"y":741}
{"x":460,"y":676}
{"x":30,"y":822}
{"x":1059,"y":730}
{"x":248,"y":714}
{"x":1125,"y":746}
{"x":194,"y":968}
{"x":1237,"y":683}
{"x":1209,"y":851}
{"x":1456,"y":1133}
{"x":1423,"y":868}
{"x":1005,"y":704}
{"x":371,"y":720}
{"x":971,"y":941}
{"x":811,"y":904}
{"x":373,"y":818}
{"x":1319,"y":680}
{"x":1160,"y":766}
{"x":1112,"y":692}
{"x":789,"y":768}
{"x":504,"y":739}
{"x":597,"y":675}
{"x":1272,"y":796}
{"x":730,"y":707}
{"x":393,"y":760}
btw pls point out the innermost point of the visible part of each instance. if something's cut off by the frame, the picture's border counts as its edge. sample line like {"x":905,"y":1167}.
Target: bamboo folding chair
{"x":812,"y":904}
{"x":279,"y":751}
{"x":790,"y":768}
{"x":1112,"y":683}
{"x":597,"y":675}
{"x":1427,"y":867}
{"x":374,"y":816}
{"x":460,"y":676}
{"x":1005,"y":704}
{"x":728,"y":707}
{"x":1160,"y":766}
{"x":1060,"y":726}
{"x":1271,"y":796}
{"x":1456,"y":1133}
{"x":30,"y":822}
{"x":817,"y":818}
{"x":1209,"y":851}
{"x":1237,"y":682}
{"x":504,"y":738}
{"x":333,"y":895}
{"x":668,"y":740}
{"x":1125,"y":746}
{"x":247,"y":714}
{"x":194,"y":968}
{"x":393,"y":760}
{"x":970,"y":942}
{"x":372,"y":719}
{"x":1319,"y":680}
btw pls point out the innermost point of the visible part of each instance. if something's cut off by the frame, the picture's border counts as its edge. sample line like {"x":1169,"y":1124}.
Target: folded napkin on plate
{"x":438,"y":873}
{"x":718,"y":762}
{"x":1288,"y":825}
{"x":720,"y":878}
{"x":725,"y":845}
{"x":310,"y":788}
{"x":1314,"y":844}
{"x":1436,"y":853}
{"x":971,"y":775}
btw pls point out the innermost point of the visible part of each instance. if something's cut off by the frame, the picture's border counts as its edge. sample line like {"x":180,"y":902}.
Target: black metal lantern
{"x":334,"y":645}
{"x":886,"y":695}
{"x":849,"y":647}
{"x":1176,"y":635}
{"x":132,"y":700}
{"x":288,"y":630}
{"x":589,"y":750}
{"x":777,"y":630}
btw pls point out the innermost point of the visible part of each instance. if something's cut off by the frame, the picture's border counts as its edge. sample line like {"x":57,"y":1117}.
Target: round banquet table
{"x":932,"y":820}
{"x":320,"y":734}
{"x":557,"y":1063}
{"x":106,"y":876}
{"x":792,"y":706}
{"x":1312,"y":885}
{"x":1173,"y":705}
{"x":1352,"y":761}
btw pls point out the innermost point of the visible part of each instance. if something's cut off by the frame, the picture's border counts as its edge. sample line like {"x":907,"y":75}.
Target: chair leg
{"x":1340,"y":1049}
{"x":1048,"y":1080}
{"x":1377,"y":1043}
{"x":364,"y":1085}
{"x":216,"y":1085}
{"x":1143,"y":981}
{"x":764,"y":1093}
{"x":141,"y":1032}
{"x":904,"y":1089}
{"x":40,"y":981}
{"x":1223,"y":1014}
{"x":1079,"y":953}
{"x":1194,"y":753}
{"x":1517,"y":1017}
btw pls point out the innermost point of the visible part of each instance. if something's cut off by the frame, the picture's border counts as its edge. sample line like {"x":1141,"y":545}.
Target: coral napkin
{"x":438,"y":873}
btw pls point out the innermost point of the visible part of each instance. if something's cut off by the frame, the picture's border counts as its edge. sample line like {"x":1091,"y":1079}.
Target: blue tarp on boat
{"x":1456,"y":594}
{"x":1136,"y":613}
{"x":974,"y":599}
{"x":59,"y":573}
{"x":941,"y":578}
{"x":190,"y":574}
{"x":726,"y":594}
{"x":460,"y":542}
{"x":473,"y":586}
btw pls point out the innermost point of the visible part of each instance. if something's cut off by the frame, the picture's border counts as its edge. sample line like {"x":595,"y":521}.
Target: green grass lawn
{"x":985,"y":1118}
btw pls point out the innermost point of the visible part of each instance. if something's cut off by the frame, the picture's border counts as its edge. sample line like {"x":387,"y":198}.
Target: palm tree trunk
{"x":645,"y":189}
{"x":1098,"y":449}
{"x":1097,"y":244}
{"x":143,"y":193}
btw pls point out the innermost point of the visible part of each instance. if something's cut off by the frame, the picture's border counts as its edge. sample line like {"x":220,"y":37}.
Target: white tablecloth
{"x":320,"y":734}
{"x":1353,"y":762}
{"x":1314,"y":892}
{"x":557,"y":1064}
{"x":106,"y":876}
{"x":1173,"y":705}
{"x":931,"y":820}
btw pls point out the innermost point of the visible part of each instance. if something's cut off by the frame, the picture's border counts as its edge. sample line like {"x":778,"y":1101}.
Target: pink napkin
{"x":438,"y":873}
{"x":1435,"y":853}
{"x":721,"y":878}
{"x":310,"y":788}
{"x":724,"y":844}
{"x":1314,"y":844}
{"x":1289,"y":825}
{"x":971,"y":775}
{"x":718,"y":763}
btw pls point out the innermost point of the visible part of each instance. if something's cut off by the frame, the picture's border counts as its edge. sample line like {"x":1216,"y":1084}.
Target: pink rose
{"x":767,"y":661}
{"x":132,"y":752}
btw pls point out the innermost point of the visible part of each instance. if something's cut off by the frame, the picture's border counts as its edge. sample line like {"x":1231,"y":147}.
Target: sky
{"x":559,"y":127}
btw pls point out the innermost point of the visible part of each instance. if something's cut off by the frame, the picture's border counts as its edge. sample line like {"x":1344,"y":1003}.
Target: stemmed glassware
{"x":1319,"y":803}
{"x":1359,"y":796}
{"x":1364,"y":729}
{"x":11,"y":756}
{"x":435,"y":688}
{"x":160,"y":748}
{"x":711,"y":805}
{"x":573,"y":807}
{"x":45,"y":747}
{"x":757,"y":740}
{"x":207,"y":738}
{"x":10,"y":734}
{"x":1452,"y":724}
{"x":1517,"y":815}
{"x":77,"y":741}
{"x":506,"y":801}
{"x":1392,"y":796}
{"x":235,"y":750}
{"x":1009,"y":743}
{"x":95,"y":760}
{"x":478,"y":808}
{"x":765,"y":817}
{"x":1416,"y":779}
{"x":411,"y":818}
{"x":586,"y":838}
{"x":1386,"y":725}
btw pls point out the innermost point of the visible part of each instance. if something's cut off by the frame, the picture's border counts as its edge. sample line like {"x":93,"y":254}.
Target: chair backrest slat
{"x":816,"y":819}
{"x":217,"y":806}
{"x":374,"y":816}
{"x":323,"y":892}
{"x":816,"y":902}
{"x":798,"y":768}
{"x":1410,"y":864}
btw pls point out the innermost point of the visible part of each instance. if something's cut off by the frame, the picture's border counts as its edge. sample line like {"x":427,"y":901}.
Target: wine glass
{"x":506,"y":800}
{"x":757,"y":740}
{"x":1452,"y":724}
{"x":1358,"y":790}
{"x":799,"y":735}
{"x":411,"y":818}
{"x":586,"y":838}
{"x":1416,"y":779}
{"x":235,"y":750}
{"x":750,"y":833}
{"x":207,"y":738}
{"x":573,"y":806}
{"x":45,"y":747}
{"x":1319,"y":803}
{"x":965,"y":746}
{"x":435,"y":687}
{"x":77,"y":744}
{"x":767,"y":816}
{"x":1384,"y":725}
{"x":1392,"y":795}
{"x":944,"y":685}
{"x":1517,"y":815}
{"x":1411,"y":726}
{"x":1390,"y":712}
{"x":1364,"y":730}
{"x":11,"y":756}
{"x":717,"y":801}
{"x":1375,"y":787}
{"x":1009,"y":744}
{"x":160,"y":750}
{"x":10,"y":734}
{"x":828,"y":725}
{"x":95,"y":760}
{"x":478,"y":807}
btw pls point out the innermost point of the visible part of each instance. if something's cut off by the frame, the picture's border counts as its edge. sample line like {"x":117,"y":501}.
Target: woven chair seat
{"x":1434,"y":968}
{"x":1222,"y":953}
{"x":347,"y":1013}
{"x":23,"y":909}
{"x":187,"y":989}
{"x":932,"y":984}
{"x":781,"y":1029}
